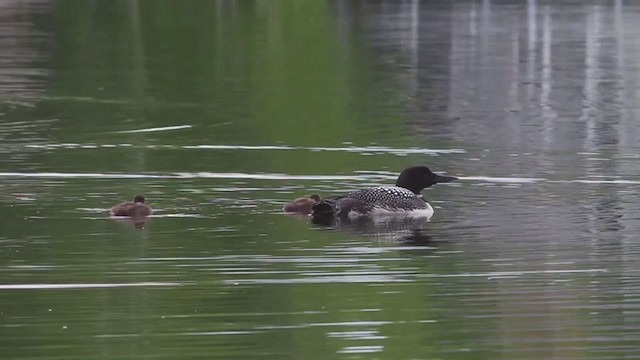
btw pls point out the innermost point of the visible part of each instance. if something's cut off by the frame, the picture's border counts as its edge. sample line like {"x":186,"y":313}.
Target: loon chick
{"x":302,"y":205}
{"x":135,"y":208}
{"x":404,"y":198}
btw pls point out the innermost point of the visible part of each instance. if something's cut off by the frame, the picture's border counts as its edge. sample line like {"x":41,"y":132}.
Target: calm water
{"x":221,"y":111}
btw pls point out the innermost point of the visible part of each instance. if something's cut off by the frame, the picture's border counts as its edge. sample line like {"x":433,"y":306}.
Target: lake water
{"x":222,"y":111}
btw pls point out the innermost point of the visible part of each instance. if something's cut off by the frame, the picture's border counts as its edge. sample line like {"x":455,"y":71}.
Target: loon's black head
{"x":417,"y":178}
{"x":138,"y":199}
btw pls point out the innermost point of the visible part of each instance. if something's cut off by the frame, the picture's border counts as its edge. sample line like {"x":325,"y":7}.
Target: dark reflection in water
{"x":223,"y":111}
{"x":136,"y":221}
{"x":395,"y":230}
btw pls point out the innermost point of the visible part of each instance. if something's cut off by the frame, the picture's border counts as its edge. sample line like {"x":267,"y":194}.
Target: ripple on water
{"x":83,"y":286}
{"x":352,"y":149}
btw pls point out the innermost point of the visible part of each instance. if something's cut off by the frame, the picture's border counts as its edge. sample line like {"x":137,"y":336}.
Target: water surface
{"x":220,"y":112}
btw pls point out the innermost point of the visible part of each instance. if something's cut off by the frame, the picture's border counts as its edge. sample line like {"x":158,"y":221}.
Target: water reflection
{"x":391,"y":229}
{"x":136,"y":221}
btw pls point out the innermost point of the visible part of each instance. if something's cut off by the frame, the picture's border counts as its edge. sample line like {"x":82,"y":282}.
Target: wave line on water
{"x":83,"y":175}
{"x":83,"y":286}
{"x":615,"y":182}
{"x":514,"y":273}
{"x":356,"y":149}
{"x":363,"y":349}
{"x":502,"y":179}
{"x":201,"y":333}
{"x":164,"y":128}
{"x":320,"y":280}
{"x":239,"y":147}
{"x":350,"y":149}
{"x":185,"y":175}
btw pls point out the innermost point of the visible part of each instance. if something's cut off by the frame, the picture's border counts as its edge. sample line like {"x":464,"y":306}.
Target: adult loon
{"x":135,"y":208}
{"x":403,"y":199}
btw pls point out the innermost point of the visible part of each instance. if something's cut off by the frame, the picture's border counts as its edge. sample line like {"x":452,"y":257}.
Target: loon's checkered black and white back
{"x":379,"y":199}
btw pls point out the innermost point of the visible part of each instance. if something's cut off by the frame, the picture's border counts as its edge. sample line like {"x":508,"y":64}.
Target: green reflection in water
{"x":247,"y":73}
{"x":237,"y":72}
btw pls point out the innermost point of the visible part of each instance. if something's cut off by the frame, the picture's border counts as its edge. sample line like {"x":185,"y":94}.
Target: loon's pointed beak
{"x":443,"y":178}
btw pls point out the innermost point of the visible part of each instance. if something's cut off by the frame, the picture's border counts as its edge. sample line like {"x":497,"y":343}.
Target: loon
{"x":403,"y":199}
{"x":135,"y":208}
{"x":302,"y":205}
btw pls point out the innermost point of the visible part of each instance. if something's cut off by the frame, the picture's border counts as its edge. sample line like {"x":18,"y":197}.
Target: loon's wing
{"x":365,"y":200}
{"x":343,"y":204}
{"x":326,"y":206}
